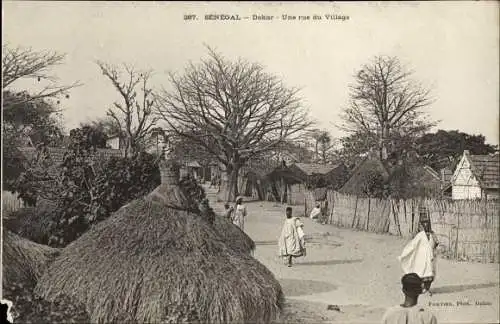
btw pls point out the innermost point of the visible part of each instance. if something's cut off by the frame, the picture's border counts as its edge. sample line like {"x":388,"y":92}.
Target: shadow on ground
{"x":327,"y":262}
{"x":460,"y":288}
{"x":299,"y":287}
{"x":274,"y":242}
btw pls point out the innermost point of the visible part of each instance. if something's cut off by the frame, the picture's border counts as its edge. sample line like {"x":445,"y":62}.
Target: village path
{"x":359,"y":272}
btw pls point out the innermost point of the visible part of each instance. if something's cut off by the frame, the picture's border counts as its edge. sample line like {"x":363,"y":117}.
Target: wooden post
{"x":305,"y":205}
{"x":330,"y":219}
{"x":368,"y":215}
{"x":355,"y":209}
{"x":282,"y":190}
{"x":456,"y":237}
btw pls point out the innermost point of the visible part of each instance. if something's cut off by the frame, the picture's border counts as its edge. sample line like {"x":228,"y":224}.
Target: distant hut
{"x":254,"y":184}
{"x":158,"y":260}
{"x":368,"y":178}
{"x":373,"y":177}
{"x":292,"y":182}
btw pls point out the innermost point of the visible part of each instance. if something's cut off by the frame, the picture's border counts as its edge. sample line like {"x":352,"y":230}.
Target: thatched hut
{"x":23,"y":260}
{"x":157,"y":260}
{"x":233,"y":236}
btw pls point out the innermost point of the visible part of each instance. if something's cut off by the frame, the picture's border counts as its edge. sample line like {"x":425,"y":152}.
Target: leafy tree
{"x":104,"y":125}
{"x":386,"y":102}
{"x":444,"y":148}
{"x":238,"y":108}
{"x":354,"y":147}
{"x":88,"y":137}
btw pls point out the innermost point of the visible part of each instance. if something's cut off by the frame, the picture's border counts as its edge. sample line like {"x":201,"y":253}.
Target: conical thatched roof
{"x":23,"y":260}
{"x":233,"y":236}
{"x":153,"y":263}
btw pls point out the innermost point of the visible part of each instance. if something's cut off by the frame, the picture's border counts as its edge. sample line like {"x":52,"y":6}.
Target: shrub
{"x":85,"y":191}
{"x":32,"y":223}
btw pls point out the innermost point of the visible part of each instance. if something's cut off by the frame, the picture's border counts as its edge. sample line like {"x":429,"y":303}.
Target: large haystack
{"x":23,"y":260}
{"x":153,"y":261}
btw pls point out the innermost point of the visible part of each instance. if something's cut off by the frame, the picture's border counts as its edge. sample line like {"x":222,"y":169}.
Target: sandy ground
{"x":359,"y":273}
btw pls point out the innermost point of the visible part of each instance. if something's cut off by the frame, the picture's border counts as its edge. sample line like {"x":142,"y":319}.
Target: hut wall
{"x":297,"y":194}
{"x":466,"y":230}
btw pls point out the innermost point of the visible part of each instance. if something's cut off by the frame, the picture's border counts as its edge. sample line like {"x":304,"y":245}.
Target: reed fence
{"x":467,"y":229}
{"x":10,"y":203}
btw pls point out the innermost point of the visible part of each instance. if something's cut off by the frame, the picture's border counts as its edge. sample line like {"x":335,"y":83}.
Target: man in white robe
{"x":289,"y":241}
{"x":418,"y":256}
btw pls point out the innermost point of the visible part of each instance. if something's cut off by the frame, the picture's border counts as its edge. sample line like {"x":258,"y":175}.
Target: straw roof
{"x":23,"y":260}
{"x":233,"y":236}
{"x":155,"y":261}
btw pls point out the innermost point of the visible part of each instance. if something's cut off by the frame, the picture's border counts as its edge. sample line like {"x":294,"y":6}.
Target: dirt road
{"x":359,"y":272}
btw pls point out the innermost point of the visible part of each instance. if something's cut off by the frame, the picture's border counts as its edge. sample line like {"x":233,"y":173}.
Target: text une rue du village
{"x":231,"y":17}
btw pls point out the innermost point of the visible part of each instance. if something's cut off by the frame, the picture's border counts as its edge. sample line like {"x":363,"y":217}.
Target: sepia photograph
{"x":250,"y":162}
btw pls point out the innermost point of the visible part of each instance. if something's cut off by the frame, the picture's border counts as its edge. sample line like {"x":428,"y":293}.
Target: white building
{"x":476,"y":177}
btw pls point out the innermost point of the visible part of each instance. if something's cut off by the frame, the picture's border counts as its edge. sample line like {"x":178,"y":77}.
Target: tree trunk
{"x":229,"y":183}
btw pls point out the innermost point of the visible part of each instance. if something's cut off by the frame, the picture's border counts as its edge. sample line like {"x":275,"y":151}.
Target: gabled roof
{"x":486,"y":168}
{"x":193,"y":164}
{"x":432,"y":172}
{"x":447,"y":174}
{"x":312,"y":168}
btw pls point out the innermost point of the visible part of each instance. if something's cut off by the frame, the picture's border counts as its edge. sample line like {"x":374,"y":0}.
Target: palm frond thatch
{"x":152,"y":263}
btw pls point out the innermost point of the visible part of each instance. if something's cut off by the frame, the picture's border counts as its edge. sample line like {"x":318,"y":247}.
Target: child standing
{"x":300,"y":232}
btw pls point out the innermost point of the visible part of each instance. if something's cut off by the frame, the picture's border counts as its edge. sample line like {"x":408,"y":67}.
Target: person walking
{"x":409,"y":312}
{"x":418,"y":256}
{"x":289,"y":241}
{"x":240,"y":212}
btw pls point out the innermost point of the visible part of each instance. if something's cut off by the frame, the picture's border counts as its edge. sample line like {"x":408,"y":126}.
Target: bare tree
{"x":238,"y":110}
{"x":134,"y":114}
{"x":25,"y":63}
{"x":386,"y":101}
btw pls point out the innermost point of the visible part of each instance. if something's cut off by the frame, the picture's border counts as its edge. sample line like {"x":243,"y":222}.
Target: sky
{"x":453,"y":47}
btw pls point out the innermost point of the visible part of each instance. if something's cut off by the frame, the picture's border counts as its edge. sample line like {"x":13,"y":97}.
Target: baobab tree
{"x":237,"y":109}
{"x":133,"y":115}
{"x":386,"y":102}
{"x":21,"y":63}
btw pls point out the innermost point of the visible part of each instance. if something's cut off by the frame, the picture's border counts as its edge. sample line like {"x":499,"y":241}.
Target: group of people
{"x":237,"y":213}
{"x":418,"y":262}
